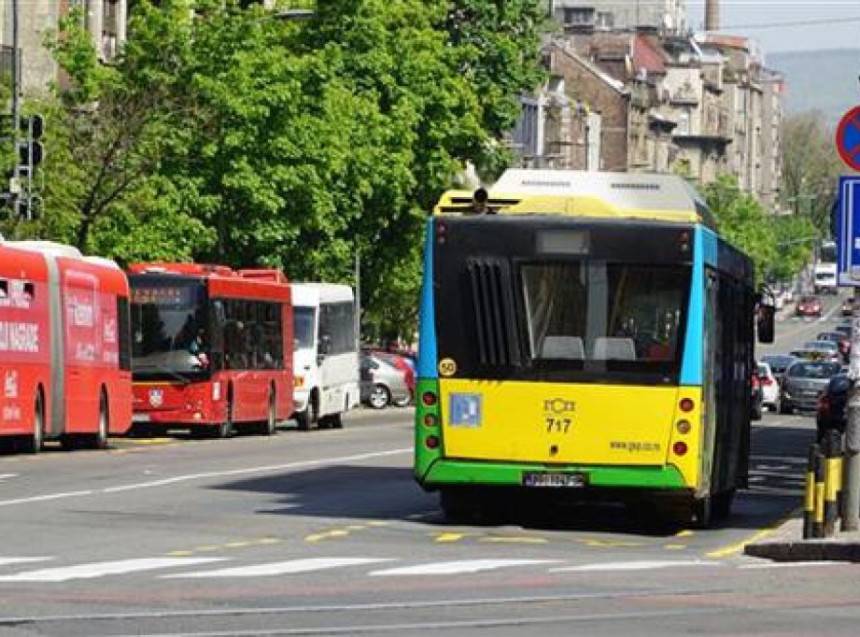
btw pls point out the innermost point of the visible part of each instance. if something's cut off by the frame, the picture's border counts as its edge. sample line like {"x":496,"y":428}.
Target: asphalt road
{"x":324,"y":532}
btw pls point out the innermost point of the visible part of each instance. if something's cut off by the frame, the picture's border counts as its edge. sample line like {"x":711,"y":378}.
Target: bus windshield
{"x":599,"y":311}
{"x":169,"y":329}
{"x":303,"y":318}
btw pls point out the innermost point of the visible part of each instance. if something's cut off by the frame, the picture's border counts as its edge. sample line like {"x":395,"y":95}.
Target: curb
{"x":806,"y":551}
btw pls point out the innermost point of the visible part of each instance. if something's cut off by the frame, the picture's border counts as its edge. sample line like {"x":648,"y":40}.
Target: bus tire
{"x":225,"y":429}
{"x":270,"y":425}
{"x":308,"y":418}
{"x":99,"y":440}
{"x":722,"y":504}
{"x":457,"y":504}
{"x":33,"y":444}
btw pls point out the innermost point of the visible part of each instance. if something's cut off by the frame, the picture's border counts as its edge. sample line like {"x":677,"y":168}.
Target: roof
{"x":587,"y":194}
{"x":610,"y":81}
{"x":312,"y":294}
{"x":646,"y":56}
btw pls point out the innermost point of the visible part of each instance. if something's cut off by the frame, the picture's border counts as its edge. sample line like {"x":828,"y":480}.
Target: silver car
{"x":383,"y":384}
{"x":803,"y":383}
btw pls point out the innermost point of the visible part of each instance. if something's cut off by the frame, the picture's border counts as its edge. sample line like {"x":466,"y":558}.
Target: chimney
{"x":712,"y":15}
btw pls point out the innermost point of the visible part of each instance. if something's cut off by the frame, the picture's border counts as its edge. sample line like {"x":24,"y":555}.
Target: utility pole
{"x":16,"y":90}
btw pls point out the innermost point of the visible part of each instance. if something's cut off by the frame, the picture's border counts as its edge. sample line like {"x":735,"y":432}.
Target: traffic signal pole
{"x":16,"y":89}
{"x":851,"y":475}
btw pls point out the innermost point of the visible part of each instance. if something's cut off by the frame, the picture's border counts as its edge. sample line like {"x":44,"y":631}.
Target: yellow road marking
{"x":609,"y":543}
{"x":180,"y":553}
{"x":148,"y":441}
{"x":737,"y":547}
{"x":684,"y":533}
{"x":450,"y":537}
{"x":207,"y":548}
{"x":497,"y":539}
{"x":377,"y":523}
{"x":237,"y":545}
{"x":268,"y":540}
{"x":674,"y":547}
{"x":325,"y":535}
{"x":356,"y":527}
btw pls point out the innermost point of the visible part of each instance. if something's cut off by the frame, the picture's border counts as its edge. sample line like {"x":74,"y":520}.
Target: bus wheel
{"x":458,"y":504}
{"x":33,"y":444}
{"x":270,"y":427}
{"x":722,"y":504}
{"x":306,"y":419}
{"x":99,"y":440}
{"x":703,"y":512}
{"x":225,"y":429}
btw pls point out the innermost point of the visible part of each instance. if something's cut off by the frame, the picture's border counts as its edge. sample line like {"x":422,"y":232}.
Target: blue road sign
{"x":848,"y":231}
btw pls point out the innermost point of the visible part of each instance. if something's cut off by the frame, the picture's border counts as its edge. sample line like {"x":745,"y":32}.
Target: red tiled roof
{"x":647,"y":56}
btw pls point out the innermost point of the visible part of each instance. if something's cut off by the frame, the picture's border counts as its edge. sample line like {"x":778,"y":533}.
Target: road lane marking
{"x":8,"y":561}
{"x":46,"y":498}
{"x":289,"y":567}
{"x":791,"y":564}
{"x":326,"y":535}
{"x":6,"y":476}
{"x":251,"y":470}
{"x":442,"y":538}
{"x":737,"y":547}
{"x":208,"y":475}
{"x":644,"y":565}
{"x":458,"y":567}
{"x":101,"y":569}
{"x":517,"y":539}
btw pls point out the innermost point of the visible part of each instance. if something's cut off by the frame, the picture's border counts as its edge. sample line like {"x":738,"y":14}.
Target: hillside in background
{"x":819,"y":80}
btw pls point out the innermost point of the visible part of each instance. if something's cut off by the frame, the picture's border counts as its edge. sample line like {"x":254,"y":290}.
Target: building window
{"x":605,"y":20}
{"x":579,"y":16}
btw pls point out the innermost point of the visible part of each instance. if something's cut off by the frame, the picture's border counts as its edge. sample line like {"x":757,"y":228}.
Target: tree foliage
{"x":224,"y":133}
{"x":810,"y":169}
{"x":779,"y":245}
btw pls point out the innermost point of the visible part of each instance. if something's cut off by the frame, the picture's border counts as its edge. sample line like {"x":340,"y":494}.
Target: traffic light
{"x":30,"y":151}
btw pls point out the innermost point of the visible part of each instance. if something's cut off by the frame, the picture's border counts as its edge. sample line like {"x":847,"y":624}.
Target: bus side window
{"x":4,"y":289}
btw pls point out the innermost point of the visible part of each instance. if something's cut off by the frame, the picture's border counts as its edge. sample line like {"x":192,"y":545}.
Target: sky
{"x":741,"y":17}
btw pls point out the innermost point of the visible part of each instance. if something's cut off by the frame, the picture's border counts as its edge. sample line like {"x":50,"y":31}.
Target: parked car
{"x":808,"y":306}
{"x":830,"y":414}
{"x":778,"y":363}
{"x":769,"y":386}
{"x":847,"y":307}
{"x":382,"y":383}
{"x":757,"y":402}
{"x":803,"y":382}
{"x":402,"y":363}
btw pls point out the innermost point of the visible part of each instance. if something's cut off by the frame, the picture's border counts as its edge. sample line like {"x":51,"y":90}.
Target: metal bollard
{"x":818,"y":522}
{"x":809,"y":493}
{"x":832,"y":481}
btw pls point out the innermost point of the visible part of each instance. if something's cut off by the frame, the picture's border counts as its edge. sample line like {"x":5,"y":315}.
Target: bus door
{"x":82,"y":313}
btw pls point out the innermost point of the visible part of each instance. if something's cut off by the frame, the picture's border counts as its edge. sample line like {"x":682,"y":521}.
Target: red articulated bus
{"x":65,"y":356}
{"x":212,"y":348}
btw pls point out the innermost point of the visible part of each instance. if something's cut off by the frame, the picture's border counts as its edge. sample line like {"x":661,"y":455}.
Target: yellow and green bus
{"x":588,"y":334}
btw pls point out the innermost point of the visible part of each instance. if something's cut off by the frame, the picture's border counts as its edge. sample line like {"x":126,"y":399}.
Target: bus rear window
{"x":581,"y":312}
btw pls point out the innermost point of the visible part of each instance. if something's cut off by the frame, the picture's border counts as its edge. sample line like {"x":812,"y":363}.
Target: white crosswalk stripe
{"x":282,"y":568}
{"x":101,"y":569}
{"x":644,"y":565}
{"x":458,"y":567}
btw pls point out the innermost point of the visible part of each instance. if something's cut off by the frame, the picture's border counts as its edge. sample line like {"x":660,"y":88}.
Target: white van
{"x":326,"y":354}
{"x":825,"y":278}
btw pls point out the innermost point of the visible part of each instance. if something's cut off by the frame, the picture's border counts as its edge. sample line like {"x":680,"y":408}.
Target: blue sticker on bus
{"x":465,"y":410}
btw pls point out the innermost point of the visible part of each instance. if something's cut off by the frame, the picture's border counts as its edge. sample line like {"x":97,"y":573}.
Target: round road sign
{"x":848,"y":138}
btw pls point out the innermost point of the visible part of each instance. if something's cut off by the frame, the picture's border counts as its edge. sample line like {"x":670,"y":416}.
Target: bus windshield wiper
{"x":169,"y":372}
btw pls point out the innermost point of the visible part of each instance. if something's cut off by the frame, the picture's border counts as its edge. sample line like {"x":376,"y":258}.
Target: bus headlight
{"x":299,"y":382}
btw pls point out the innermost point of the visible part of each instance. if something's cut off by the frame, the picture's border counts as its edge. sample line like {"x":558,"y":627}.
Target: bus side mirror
{"x":765,"y":323}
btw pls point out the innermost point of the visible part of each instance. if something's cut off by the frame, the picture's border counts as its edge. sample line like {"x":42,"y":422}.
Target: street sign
{"x":848,"y":138}
{"x":848,"y":231}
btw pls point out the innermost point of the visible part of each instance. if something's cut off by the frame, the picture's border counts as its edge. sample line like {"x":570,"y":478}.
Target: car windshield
{"x":814,"y":370}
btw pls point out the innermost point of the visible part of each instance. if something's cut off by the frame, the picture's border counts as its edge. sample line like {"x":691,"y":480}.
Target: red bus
{"x":65,"y":356}
{"x":212,"y":348}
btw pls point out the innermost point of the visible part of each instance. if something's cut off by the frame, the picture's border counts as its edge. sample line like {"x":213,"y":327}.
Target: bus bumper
{"x":458,"y":472}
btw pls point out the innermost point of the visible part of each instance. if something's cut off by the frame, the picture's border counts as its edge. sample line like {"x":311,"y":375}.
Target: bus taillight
{"x":432,"y":442}
{"x":430,"y":420}
{"x":428,"y":398}
{"x":687,"y":405}
{"x":683,"y":426}
{"x":679,"y":448}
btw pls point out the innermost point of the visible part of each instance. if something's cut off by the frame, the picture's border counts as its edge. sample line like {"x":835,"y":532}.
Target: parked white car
{"x":769,"y":386}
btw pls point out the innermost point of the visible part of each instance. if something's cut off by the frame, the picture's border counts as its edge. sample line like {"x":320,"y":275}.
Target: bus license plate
{"x":554,"y":480}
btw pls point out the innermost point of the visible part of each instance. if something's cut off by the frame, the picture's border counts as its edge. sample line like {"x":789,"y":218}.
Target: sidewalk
{"x":785,"y":544}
